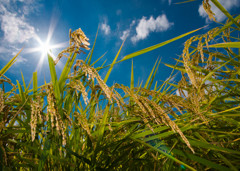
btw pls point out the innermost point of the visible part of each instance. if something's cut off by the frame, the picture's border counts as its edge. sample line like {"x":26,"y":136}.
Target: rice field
{"x":78,"y":122}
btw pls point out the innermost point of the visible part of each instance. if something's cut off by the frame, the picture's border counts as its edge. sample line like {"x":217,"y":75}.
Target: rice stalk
{"x":187,"y":63}
{"x":36,"y":109}
{"x":82,"y":121}
{"x":78,"y":86}
{"x":207,"y":8}
{"x":1,"y":100}
{"x":77,"y":41}
{"x":92,"y":74}
{"x":52,"y":112}
{"x":168,"y":122}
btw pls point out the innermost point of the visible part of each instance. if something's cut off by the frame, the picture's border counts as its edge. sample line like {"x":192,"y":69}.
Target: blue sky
{"x":142,"y":23}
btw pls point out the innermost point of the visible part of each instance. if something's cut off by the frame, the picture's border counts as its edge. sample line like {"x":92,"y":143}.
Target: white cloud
{"x":105,"y":28}
{"x":13,"y":22}
{"x":227,"y":4}
{"x":16,"y":29}
{"x":21,"y":59}
{"x":126,"y":33}
{"x":145,"y":26}
{"x":4,"y":50}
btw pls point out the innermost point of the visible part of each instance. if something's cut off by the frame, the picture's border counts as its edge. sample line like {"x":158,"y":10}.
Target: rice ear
{"x":207,"y":8}
{"x":1,"y":100}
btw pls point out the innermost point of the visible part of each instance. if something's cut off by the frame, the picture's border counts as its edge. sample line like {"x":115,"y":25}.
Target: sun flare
{"x":45,"y":48}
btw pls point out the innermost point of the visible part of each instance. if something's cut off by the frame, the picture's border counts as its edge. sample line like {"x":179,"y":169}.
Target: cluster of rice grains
{"x":1,"y":100}
{"x":207,"y":8}
{"x":77,"y":41}
{"x":78,"y":86}
{"x":92,"y":74}
{"x":197,"y":92}
{"x":53,"y":115}
{"x":36,"y":111}
{"x":149,"y":110}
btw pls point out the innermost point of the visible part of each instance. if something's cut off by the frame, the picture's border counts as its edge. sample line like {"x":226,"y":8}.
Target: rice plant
{"x":78,"y":122}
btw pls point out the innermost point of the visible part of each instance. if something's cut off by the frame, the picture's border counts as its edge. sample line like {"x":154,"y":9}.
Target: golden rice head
{"x":82,"y":121}
{"x":160,"y":113}
{"x":187,"y":63}
{"x":200,"y":48}
{"x":36,"y":109}
{"x":56,"y":120}
{"x":91,"y":73}
{"x":207,"y":8}
{"x":51,"y":110}
{"x":143,"y":111}
{"x":77,"y":41}
{"x":1,"y":100}
{"x":60,"y":127}
{"x":78,"y":85}
{"x":166,"y":119}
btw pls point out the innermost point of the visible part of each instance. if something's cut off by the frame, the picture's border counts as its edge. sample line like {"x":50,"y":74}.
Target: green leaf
{"x":54,"y":78}
{"x":132,"y":77}
{"x":66,"y":70}
{"x":22,"y":95}
{"x":24,"y":84}
{"x":165,"y":154}
{"x":203,"y":161}
{"x":152,"y":75}
{"x":9,"y":64}
{"x":219,"y":6}
{"x":212,"y":147}
{"x":114,"y":61}
{"x":140,"y":52}
{"x":90,"y":58}
{"x":226,"y":45}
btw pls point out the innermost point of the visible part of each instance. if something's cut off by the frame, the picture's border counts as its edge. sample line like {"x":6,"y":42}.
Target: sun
{"x":45,"y":47}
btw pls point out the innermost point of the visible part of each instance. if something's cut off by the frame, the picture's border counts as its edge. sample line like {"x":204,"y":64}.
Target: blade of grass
{"x":140,"y":52}
{"x":9,"y":64}
{"x":90,"y":58}
{"x":152,"y":78}
{"x":132,"y":77}
{"x":54,"y":78}
{"x":114,"y":61}
{"x":226,"y":45}
{"x":166,"y":154}
{"x":219,"y":6}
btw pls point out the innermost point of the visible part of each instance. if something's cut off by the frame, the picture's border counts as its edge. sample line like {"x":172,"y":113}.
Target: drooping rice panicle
{"x":1,"y":100}
{"x":78,"y":40}
{"x":36,"y":109}
{"x":207,"y":8}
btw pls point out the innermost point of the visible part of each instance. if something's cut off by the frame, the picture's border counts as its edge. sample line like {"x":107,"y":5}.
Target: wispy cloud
{"x":126,"y":32}
{"x":146,"y":26}
{"x":14,"y":24}
{"x":227,"y":4}
{"x":15,"y":29}
{"x":104,"y":27}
